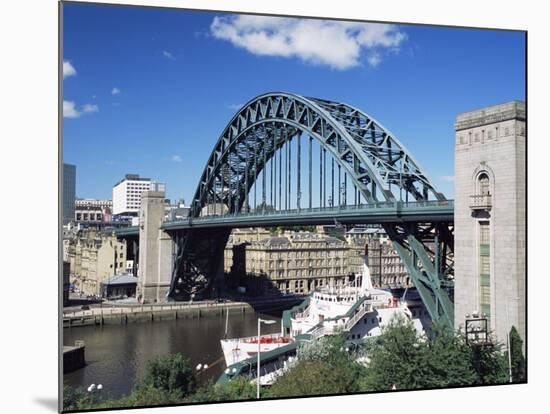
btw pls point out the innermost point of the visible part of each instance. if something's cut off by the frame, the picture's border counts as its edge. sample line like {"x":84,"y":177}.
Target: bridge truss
{"x":272,"y":156}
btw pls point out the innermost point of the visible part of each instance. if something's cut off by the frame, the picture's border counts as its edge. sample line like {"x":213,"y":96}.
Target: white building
{"x":127,"y":193}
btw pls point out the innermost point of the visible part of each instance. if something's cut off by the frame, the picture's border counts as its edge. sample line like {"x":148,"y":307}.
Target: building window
{"x":483,"y":182}
{"x":484,"y":268}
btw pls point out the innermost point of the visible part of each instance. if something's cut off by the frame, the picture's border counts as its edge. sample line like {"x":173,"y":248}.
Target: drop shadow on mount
{"x":49,"y":403}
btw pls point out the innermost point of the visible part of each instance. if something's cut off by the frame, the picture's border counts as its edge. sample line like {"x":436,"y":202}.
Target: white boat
{"x":238,"y":349}
{"x":358,"y":310}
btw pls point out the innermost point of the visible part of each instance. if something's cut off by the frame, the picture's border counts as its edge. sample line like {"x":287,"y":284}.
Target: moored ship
{"x":357,"y":310}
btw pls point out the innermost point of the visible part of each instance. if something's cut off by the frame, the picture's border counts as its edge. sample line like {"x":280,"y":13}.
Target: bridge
{"x":285,"y":159}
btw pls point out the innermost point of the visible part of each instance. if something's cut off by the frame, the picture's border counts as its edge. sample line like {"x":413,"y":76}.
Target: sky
{"x":150,"y":90}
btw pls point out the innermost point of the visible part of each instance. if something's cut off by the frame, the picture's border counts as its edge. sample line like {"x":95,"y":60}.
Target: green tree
{"x":143,"y":395}
{"x":518,"y":360}
{"x":490,"y":363}
{"x":314,"y":378}
{"x":398,"y":359}
{"x":448,"y":359}
{"x":171,"y":373}
{"x":239,"y":388}
{"x":76,"y":399}
{"x":323,"y":367}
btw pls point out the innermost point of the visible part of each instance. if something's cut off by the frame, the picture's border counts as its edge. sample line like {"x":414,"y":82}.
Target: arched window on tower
{"x":483,"y":184}
{"x":481,"y":200}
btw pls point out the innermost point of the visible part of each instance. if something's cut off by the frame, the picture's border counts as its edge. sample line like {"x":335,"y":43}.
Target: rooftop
{"x":491,"y":115}
{"x":132,"y":177}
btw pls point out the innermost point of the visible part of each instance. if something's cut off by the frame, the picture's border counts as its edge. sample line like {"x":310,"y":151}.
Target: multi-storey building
{"x":69,"y":184}
{"x":367,"y":233}
{"x":176,"y":211}
{"x":298,"y":262}
{"x":94,"y":256}
{"x":234,"y":257}
{"x":393,"y":273}
{"x":127,"y":193}
{"x":92,"y":202}
{"x":88,"y":214}
{"x":295,"y":262}
{"x":489,"y":217}
{"x":386,"y":268}
{"x":91,"y":212}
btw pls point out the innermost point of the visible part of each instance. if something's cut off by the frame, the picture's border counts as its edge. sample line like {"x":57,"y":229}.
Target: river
{"x":116,"y":355}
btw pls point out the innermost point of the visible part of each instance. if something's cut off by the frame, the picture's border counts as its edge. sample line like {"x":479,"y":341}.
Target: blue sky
{"x":148,"y":91}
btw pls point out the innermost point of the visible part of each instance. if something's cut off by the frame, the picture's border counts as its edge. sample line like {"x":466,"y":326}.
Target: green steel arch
{"x":379,"y":166}
{"x":375,"y":160}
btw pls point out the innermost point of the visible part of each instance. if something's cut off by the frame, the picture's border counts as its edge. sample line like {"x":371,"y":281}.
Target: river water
{"x":116,"y":355}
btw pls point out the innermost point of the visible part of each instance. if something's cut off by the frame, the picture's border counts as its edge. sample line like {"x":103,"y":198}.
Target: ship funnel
{"x":366,"y":281}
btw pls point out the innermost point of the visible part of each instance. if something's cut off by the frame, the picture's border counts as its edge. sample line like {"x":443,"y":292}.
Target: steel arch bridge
{"x":371,"y":165}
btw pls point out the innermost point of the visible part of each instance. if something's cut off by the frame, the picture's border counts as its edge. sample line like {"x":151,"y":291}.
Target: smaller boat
{"x":238,"y":349}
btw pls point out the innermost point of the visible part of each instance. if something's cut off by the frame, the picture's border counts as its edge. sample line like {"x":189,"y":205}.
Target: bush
{"x":144,"y":395}
{"x":239,"y":388}
{"x":76,"y":399}
{"x":490,"y":364}
{"x":323,"y":367}
{"x":170,"y":373}
{"x":402,"y":359}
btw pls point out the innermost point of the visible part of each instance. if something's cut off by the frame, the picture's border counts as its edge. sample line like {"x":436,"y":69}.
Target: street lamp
{"x":94,"y":391}
{"x":201,"y":367}
{"x":267,"y":322}
{"x":476,"y":329}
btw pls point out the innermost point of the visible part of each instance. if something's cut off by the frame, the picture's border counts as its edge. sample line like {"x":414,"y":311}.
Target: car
{"x":85,"y":307}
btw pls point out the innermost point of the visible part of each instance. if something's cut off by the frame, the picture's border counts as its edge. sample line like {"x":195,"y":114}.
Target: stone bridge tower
{"x":490,"y":225}
{"x":156,"y":249}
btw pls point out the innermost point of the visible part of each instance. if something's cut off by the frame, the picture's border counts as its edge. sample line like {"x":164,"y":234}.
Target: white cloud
{"x":90,"y":108}
{"x":115,"y":91}
{"x":71,"y":111}
{"x":176,"y":158}
{"x":68,"y":69}
{"x":167,"y":54}
{"x":448,"y":178}
{"x":374,"y":59}
{"x":336,"y":44}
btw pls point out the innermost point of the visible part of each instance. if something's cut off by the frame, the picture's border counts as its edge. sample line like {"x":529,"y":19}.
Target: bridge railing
{"x":388,"y":206}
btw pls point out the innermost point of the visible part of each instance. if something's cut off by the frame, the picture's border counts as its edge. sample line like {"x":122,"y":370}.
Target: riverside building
{"x":93,"y":257}
{"x":299,"y":262}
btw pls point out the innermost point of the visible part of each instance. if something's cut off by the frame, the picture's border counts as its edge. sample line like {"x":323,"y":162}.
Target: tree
{"x":518,"y":360}
{"x":141,"y":396}
{"x":171,"y":373}
{"x":239,"y":388}
{"x":76,"y":399}
{"x":490,"y":363}
{"x":448,"y":359}
{"x":398,"y":359}
{"x":323,"y":367}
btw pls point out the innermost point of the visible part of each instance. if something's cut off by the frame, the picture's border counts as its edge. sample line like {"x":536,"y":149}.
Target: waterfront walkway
{"x":131,"y":312}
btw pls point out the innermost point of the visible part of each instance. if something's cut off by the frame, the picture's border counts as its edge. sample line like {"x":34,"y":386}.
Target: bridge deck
{"x":398,"y":212}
